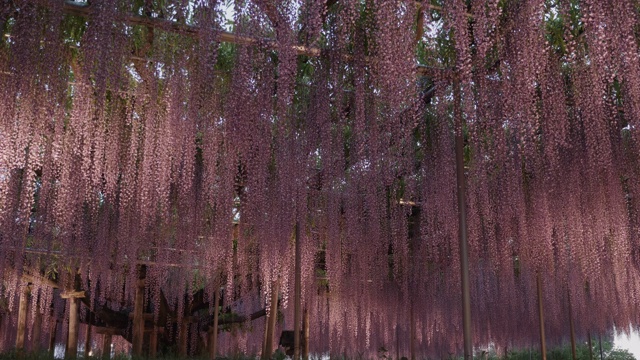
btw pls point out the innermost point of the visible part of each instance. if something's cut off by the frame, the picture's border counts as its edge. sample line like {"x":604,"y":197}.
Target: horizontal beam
{"x":37,"y":279}
{"x":232,"y":319}
{"x":107,"y":330}
{"x":79,"y":9}
{"x":146,"y":316}
{"x":73,"y":294}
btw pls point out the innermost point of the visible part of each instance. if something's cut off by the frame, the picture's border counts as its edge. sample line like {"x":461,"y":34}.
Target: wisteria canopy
{"x":186,"y":138}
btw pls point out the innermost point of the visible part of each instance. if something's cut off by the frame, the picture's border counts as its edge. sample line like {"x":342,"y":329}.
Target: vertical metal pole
{"x":543,"y":345}
{"x":297,"y":296}
{"x":572,"y":330}
{"x":462,"y":221}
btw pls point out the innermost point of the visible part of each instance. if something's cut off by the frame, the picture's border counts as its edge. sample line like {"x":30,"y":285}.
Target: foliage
{"x":135,"y":135}
{"x":609,"y":352}
{"x":44,"y":355}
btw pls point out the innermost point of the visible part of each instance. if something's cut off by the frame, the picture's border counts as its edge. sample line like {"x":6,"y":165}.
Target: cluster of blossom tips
{"x":152,"y":136}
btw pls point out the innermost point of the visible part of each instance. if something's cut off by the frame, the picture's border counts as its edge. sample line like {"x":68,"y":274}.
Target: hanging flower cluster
{"x":142,"y":133}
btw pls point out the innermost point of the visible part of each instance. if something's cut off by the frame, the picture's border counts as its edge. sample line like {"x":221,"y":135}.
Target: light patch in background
{"x":629,"y":342}
{"x":229,"y":14}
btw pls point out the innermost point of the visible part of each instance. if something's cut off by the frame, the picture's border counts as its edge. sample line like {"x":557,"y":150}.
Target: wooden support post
{"x":398,"y":340}
{"x":138,"y":319}
{"x":419,"y":23}
{"x":153,"y":342}
{"x":297,"y":296}
{"x":87,"y":338}
{"x":543,"y":345}
{"x":106,"y":346}
{"x":213,"y":331}
{"x":22,"y":318}
{"x":462,"y":221}
{"x":107,"y":337}
{"x":271,"y":321}
{"x":212,"y":343}
{"x":37,"y":331}
{"x":412,"y":330}
{"x":184,"y":338}
{"x":265,"y":334}
{"x":264,"y":338}
{"x":52,"y":334}
{"x":572,"y":329}
{"x":72,"y":338}
{"x":590,"y":345}
{"x":305,"y":331}
{"x":600,"y":340}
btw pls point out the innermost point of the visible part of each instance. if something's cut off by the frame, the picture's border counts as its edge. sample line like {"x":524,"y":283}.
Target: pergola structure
{"x":168,"y":178}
